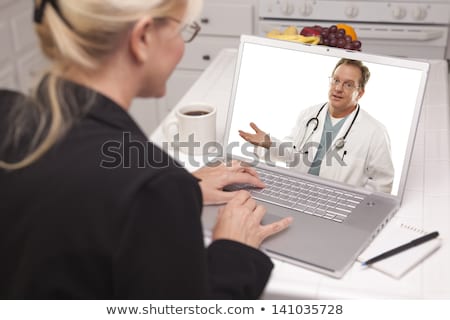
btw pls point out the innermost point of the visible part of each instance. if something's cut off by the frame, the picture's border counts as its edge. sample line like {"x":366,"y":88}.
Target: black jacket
{"x":105,"y":214}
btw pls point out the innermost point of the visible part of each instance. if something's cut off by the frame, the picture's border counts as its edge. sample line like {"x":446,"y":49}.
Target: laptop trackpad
{"x":314,"y":241}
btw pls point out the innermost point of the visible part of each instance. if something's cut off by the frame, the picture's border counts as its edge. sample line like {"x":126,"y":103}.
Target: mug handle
{"x":167,"y":129}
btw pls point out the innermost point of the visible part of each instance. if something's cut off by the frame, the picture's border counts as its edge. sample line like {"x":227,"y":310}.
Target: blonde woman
{"x":73,"y":229}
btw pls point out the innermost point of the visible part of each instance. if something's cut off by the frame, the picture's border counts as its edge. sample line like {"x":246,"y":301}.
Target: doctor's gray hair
{"x":365,"y":73}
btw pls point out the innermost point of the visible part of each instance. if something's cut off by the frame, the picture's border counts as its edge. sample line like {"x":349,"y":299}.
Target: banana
{"x":310,"y":39}
{"x":290,"y":31}
{"x":295,"y":38}
{"x":274,"y":32}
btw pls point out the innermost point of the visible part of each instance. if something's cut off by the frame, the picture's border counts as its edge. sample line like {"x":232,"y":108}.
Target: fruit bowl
{"x":338,"y":35}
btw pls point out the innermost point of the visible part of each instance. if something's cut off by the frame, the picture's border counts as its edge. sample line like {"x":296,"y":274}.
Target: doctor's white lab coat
{"x":365,"y":160}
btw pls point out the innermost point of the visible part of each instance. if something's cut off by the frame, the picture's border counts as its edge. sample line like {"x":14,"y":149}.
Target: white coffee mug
{"x":196,"y":128}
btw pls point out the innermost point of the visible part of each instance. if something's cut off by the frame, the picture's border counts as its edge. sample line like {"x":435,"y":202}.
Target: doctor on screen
{"x":336,"y":140}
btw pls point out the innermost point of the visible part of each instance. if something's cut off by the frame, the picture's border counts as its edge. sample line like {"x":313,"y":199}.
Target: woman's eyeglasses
{"x":188,"y":32}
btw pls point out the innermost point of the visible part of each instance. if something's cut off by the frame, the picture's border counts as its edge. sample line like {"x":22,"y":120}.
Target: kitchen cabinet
{"x":21,"y":60}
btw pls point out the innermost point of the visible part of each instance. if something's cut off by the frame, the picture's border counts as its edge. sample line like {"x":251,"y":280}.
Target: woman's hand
{"x":259,"y":138}
{"x":240,"y":220}
{"x":214,"y":179}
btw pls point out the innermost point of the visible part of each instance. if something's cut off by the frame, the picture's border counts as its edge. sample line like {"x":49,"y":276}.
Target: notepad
{"x":396,"y":234}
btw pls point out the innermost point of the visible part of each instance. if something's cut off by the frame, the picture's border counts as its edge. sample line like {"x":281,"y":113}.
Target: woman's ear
{"x":140,"y":39}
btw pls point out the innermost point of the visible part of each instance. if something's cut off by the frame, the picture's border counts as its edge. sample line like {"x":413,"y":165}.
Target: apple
{"x":310,"y":31}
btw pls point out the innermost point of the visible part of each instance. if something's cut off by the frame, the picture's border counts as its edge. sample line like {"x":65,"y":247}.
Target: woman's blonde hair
{"x":81,"y":34}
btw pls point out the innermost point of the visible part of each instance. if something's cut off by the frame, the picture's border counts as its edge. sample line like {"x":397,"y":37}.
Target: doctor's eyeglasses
{"x":347,"y":85}
{"x":188,"y":32}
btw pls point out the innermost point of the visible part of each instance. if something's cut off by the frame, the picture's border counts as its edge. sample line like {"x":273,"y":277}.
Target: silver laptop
{"x":338,"y":212}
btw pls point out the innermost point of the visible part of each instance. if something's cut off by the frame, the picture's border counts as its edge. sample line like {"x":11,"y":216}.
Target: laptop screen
{"x":280,"y":86}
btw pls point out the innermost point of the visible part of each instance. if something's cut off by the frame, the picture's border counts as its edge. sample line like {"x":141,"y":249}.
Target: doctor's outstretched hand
{"x":259,"y":138}
{"x":240,"y":220}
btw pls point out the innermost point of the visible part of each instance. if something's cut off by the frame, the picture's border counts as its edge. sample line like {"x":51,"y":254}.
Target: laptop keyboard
{"x":306,"y":197}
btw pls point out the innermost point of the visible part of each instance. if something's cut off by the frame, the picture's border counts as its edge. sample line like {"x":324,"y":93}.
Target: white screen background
{"x":276,"y":84}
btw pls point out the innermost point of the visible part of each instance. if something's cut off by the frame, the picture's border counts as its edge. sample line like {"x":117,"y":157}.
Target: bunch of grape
{"x":335,"y":37}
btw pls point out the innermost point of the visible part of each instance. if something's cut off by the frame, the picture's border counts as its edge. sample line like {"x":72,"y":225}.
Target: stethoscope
{"x":340,"y":142}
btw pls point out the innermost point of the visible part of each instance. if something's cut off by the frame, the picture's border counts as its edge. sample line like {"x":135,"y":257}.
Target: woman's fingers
{"x":213,"y":179}
{"x":240,"y":197}
{"x":241,"y":220}
{"x":275,"y":227}
{"x":245,"y":178}
{"x":240,"y":172}
{"x":268,"y":230}
{"x":244,"y":168}
{"x":238,"y":165}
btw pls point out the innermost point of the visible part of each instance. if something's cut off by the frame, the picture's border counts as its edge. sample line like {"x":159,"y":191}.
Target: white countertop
{"x":426,"y":202}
